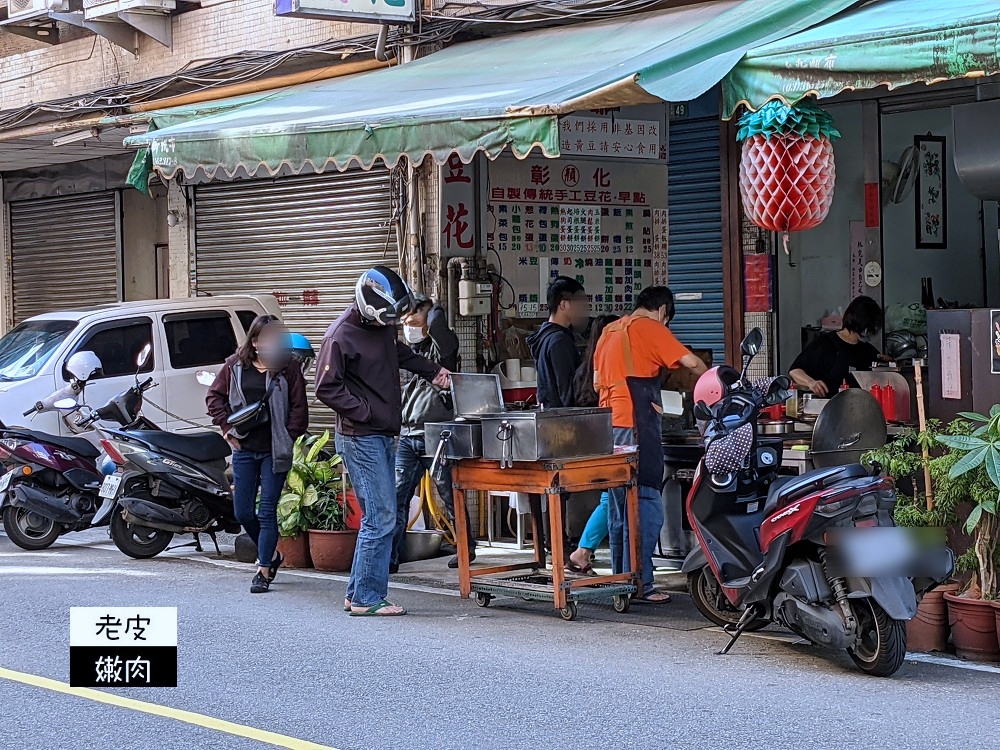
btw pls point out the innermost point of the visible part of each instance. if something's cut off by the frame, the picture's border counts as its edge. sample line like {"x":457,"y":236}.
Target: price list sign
{"x":603,"y":223}
{"x":123,"y":647}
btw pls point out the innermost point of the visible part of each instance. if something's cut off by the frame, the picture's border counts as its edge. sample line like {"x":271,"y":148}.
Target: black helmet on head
{"x":382,"y":296}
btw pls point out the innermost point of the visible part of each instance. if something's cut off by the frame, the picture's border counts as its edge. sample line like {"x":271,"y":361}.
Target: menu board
{"x":602,"y":222}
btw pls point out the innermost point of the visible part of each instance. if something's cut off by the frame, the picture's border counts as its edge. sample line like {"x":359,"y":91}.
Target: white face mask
{"x":413,"y":334}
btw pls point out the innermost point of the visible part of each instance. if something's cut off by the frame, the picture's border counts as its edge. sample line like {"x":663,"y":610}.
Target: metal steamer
{"x":484,"y":429}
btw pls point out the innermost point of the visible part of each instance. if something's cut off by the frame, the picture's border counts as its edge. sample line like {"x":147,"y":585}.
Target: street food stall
{"x":546,"y":454}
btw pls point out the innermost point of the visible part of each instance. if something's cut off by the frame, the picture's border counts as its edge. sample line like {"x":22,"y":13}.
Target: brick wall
{"x":32,"y":72}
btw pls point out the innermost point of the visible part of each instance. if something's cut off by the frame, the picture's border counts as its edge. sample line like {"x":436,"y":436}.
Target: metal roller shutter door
{"x":695,"y":250}
{"x":64,"y":253}
{"x":317,"y":232}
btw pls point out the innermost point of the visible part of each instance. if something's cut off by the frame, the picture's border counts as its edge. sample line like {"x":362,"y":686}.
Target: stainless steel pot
{"x":779,"y":427}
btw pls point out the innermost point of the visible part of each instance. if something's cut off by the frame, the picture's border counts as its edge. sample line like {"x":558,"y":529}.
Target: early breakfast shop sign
{"x":385,"y":11}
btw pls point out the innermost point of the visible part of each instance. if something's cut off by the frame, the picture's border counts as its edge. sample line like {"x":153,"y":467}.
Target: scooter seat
{"x":784,"y":490}
{"x":199,"y":446}
{"x":80,"y":446}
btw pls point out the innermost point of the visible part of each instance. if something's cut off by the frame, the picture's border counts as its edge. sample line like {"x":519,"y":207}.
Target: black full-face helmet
{"x":382,"y":296}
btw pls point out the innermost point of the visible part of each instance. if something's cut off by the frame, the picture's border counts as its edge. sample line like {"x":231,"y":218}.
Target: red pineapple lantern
{"x":787,"y":172}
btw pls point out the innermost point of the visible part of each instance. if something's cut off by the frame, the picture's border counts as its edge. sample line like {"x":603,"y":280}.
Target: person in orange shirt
{"x":628,"y":365}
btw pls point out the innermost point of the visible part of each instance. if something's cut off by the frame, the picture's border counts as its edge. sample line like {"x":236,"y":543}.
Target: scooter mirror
{"x":65,"y":403}
{"x":143,"y":355}
{"x":752,"y":344}
{"x":205,"y":378}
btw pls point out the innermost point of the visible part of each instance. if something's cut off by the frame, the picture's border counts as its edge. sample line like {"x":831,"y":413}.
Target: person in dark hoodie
{"x":357,"y":375}
{"x":262,"y":368}
{"x":426,"y":331}
{"x":553,"y":345}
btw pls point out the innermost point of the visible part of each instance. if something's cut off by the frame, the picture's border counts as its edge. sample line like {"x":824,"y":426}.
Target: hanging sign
{"x":616,"y":138}
{"x":385,"y":11}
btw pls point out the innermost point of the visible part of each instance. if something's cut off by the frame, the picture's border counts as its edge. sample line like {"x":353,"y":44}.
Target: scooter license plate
{"x":110,"y":485}
{"x":5,"y":480}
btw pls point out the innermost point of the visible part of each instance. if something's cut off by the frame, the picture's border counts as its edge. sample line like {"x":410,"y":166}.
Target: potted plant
{"x":973,"y":457}
{"x":321,"y":489}
{"x":901,"y":459}
{"x":293,"y":529}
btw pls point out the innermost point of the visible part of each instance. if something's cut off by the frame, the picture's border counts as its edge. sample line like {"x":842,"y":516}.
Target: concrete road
{"x":449,"y":675}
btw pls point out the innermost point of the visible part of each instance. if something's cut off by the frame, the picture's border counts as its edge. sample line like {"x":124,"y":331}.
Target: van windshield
{"x":26,"y":349}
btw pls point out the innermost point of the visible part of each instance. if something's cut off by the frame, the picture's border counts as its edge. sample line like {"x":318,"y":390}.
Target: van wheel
{"x":140,"y":542}
{"x":29,"y":530}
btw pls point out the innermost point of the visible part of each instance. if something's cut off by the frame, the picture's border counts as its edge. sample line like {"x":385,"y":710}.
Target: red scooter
{"x":816,"y":553}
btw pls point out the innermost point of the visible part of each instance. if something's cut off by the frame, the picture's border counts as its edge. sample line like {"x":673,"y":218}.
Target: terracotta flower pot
{"x":332,"y":550}
{"x":354,"y":508}
{"x":296,"y":550}
{"x":928,"y":631}
{"x":973,"y":627}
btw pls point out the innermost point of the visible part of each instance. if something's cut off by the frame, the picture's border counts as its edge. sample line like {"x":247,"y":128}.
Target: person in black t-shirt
{"x":825,"y":364}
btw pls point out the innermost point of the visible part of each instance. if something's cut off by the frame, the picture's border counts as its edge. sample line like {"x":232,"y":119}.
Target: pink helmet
{"x":714,"y":384}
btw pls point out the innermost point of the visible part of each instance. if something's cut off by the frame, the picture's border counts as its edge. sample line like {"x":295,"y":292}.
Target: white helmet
{"x":84,"y":365}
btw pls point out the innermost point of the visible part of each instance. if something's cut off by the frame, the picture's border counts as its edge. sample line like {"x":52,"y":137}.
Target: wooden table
{"x":551,"y":478}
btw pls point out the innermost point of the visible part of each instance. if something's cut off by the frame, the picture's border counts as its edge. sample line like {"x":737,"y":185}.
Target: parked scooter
{"x":767,"y":543}
{"x":52,"y":485}
{"x":174,"y":484}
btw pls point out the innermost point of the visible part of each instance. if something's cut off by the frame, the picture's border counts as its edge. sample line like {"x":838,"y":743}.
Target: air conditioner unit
{"x":29,"y":10}
{"x":98,"y":9}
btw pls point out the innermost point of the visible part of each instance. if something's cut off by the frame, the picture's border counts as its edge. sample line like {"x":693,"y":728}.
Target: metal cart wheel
{"x":483,"y":600}
{"x":622,"y":603}
{"x":569,"y":612}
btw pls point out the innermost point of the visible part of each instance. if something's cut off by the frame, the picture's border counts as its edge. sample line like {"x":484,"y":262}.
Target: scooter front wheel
{"x":881,"y":648}
{"x":712,"y":603}
{"x":29,"y":530}
{"x":139,"y":542}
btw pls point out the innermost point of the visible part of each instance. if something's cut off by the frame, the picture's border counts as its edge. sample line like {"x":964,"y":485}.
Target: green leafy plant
{"x":776,"y":119}
{"x":314,"y":490}
{"x":975,"y":473}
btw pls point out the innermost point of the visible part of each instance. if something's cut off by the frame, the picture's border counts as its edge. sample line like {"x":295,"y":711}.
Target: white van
{"x":188,"y":336}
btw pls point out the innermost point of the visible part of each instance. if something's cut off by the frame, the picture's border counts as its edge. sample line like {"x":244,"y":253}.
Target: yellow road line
{"x":189,"y":717}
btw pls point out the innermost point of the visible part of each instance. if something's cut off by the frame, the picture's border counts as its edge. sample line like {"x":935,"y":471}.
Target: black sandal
{"x":260,"y":584}
{"x":272,"y":569}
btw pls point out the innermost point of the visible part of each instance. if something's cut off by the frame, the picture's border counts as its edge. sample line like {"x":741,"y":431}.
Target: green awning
{"x":487,"y":95}
{"x":885,"y":43}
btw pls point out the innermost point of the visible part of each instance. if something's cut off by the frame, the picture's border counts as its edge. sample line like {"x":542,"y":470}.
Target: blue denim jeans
{"x":651,"y":517}
{"x":252,"y":472}
{"x":411,"y":463}
{"x":370,"y":460}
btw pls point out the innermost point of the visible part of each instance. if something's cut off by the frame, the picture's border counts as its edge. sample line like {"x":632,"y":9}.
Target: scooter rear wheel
{"x":882,"y":648}
{"x":139,"y":542}
{"x":712,"y":603}
{"x":29,"y":530}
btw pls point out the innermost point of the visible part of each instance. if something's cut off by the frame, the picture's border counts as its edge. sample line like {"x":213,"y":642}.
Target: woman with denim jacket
{"x":262,"y":455}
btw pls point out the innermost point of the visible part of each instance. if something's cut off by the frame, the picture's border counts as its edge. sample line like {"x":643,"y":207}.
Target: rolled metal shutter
{"x":64,"y":253}
{"x":293,"y":236}
{"x":695,"y":251}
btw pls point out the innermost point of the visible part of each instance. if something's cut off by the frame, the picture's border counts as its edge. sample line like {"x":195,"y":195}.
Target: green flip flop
{"x":378,"y":611}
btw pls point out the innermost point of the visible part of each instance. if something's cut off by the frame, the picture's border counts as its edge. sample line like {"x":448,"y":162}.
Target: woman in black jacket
{"x":262,"y":455}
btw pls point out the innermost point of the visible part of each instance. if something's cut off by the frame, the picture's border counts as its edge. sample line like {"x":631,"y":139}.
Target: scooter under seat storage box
{"x":547,"y":434}
{"x":461,"y":439}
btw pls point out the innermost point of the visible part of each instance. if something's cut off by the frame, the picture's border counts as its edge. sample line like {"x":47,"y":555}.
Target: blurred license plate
{"x":5,"y":480}
{"x":109,"y":488}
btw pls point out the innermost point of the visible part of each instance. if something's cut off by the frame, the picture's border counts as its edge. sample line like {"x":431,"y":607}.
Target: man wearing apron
{"x":627,"y":372}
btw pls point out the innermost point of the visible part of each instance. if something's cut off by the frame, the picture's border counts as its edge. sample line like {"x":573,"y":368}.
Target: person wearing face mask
{"x":357,"y":375}
{"x":628,"y":363}
{"x":426,"y":331}
{"x":261,"y":369}
{"x":825,"y":365}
